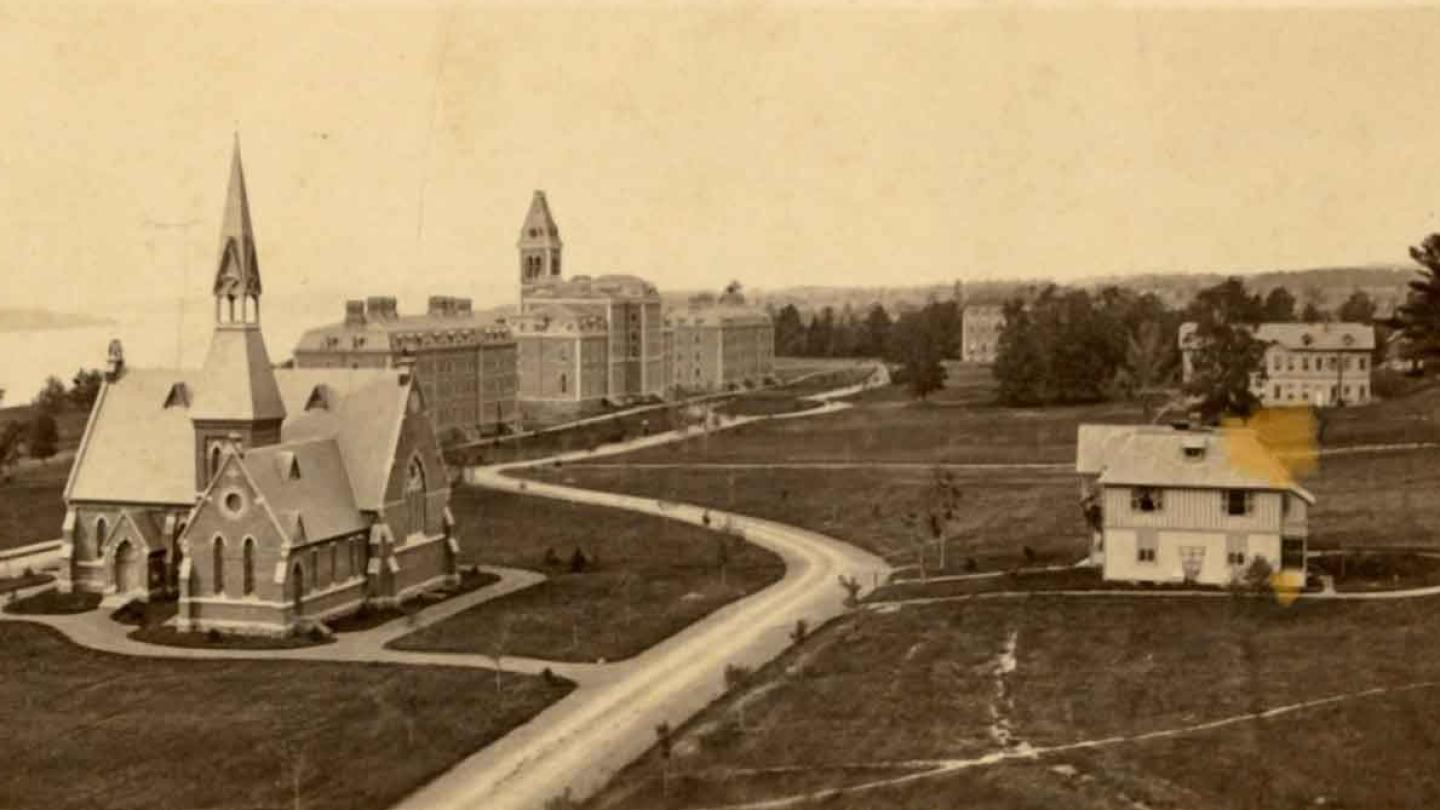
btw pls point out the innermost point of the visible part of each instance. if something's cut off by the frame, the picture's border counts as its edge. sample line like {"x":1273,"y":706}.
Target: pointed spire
{"x":238,"y":272}
{"x":539,"y":227}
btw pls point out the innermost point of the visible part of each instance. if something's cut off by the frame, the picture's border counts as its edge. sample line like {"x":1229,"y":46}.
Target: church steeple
{"x":237,"y":401}
{"x":237,"y":273}
{"x":540,"y":245}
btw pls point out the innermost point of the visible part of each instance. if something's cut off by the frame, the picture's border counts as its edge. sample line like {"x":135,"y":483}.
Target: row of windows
{"x":354,"y":551}
{"x":1286,"y":362}
{"x":1292,"y":392}
{"x":1233,"y":502}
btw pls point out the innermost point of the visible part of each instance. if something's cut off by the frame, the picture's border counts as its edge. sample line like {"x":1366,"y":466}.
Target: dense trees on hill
{"x":1067,"y":346}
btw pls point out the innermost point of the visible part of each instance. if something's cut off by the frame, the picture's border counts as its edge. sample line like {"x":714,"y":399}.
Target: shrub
{"x":852,"y":590}
{"x":578,"y":562}
{"x":971,"y":566}
{"x":213,"y":636}
{"x":552,"y":560}
{"x":736,"y":675}
{"x":1029,"y":555}
{"x":1257,"y":574}
{"x":800,"y":631}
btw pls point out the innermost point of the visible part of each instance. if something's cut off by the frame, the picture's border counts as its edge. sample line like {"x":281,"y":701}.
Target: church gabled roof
{"x":539,"y":226}
{"x":237,"y":273}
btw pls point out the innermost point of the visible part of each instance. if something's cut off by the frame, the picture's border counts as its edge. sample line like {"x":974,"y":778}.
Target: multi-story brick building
{"x":1318,"y":364}
{"x":563,"y":362}
{"x":720,"y":343}
{"x":465,"y":365}
{"x":628,"y":306}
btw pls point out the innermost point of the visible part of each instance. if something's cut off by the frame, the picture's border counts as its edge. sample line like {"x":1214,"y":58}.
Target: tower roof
{"x":237,"y":273}
{"x":539,"y":227}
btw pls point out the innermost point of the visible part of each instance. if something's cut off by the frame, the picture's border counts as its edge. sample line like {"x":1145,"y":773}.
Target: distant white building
{"x":1168,"y":504}
{"x":1318,"y":364}
{"x":980,"y":327}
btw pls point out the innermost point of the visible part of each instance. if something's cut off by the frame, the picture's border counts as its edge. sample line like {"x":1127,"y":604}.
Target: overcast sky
{"x":394,"y":148}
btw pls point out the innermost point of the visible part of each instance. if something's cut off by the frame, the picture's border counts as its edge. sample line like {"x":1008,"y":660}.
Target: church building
{"x":262,"y":498}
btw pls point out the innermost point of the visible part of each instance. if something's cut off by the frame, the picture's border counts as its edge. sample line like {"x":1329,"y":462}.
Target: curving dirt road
{"x":578,"y":743}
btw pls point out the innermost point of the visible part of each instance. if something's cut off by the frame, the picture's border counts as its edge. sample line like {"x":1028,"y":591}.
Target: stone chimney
{"x":381,"y":308}
{"x":354,"y":312}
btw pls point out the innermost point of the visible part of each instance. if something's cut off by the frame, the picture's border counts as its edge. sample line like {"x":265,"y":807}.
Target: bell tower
{"x":237,"y":402}
{"x":540,"y":246}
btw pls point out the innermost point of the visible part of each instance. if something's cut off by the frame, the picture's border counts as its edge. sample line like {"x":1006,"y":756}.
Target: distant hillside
{"x":16,"y":320}
{"x":1327,"y":287}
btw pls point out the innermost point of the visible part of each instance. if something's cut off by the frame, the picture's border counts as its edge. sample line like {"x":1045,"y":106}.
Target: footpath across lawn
{"x":619,"y":581}
{"x":868,"y":696}
{"x":237,"y":733}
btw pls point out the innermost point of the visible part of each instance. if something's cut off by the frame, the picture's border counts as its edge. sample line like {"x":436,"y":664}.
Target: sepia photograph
{"x":721,"y":405}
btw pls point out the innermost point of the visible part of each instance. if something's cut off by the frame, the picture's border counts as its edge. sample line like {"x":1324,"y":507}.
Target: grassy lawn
{"x":868,"y":695}
{"x":1376,"y":500}
{"x":1409,"y":418}
{"x":645,"y":578}
{"x":290,"y":734}
{"x":31,"y":504}
{"x":369,"y":616}
{"x":1002,"y":512}
{"x":889,"y":426}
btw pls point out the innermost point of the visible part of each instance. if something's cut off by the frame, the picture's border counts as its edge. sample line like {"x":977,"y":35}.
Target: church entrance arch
{"x":125,"y":576}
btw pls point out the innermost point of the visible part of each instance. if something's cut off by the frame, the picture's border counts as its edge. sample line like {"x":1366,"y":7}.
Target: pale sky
{"x":394,"y":148}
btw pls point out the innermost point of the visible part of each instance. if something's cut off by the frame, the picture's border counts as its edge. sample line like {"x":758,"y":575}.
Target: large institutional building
{"x":466,"y":365}
{"x":263,"y":498}
{"x":576,"y":346}
{"x":1317,"y":364}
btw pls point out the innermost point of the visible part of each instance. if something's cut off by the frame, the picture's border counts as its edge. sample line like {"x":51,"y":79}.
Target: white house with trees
{"x":1188,"y":504}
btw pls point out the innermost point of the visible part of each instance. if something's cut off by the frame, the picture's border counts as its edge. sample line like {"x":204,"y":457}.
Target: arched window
{"x":102,"y":529}
{"x":249,"y":572}
{"x":415,"y":495}
{"x":214,"y":462}
{"x":217,"y":564}
{"x":564,"y":383}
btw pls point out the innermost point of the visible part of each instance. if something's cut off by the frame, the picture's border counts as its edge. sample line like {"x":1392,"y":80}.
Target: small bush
{"x":1029,"y":555}
{"x":213,"y":636}
{"x":552,"y":560}
{"x":578,"y":562}
{"x":800,"y":631}
{"x":971,"y":566}
{"x":736,"y":675}
{"x":1257,"y":574}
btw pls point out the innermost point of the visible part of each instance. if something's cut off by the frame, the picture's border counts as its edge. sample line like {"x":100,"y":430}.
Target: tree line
{"x":38,"y":434}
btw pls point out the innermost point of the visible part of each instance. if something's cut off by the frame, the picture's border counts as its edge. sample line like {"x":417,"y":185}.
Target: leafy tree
{"x":1313,"y":313}
{"x":918,"y":348}
{"x":12,"y":436}
{"x":84,"y":388}
{"x":52,"y":397}
{"x":1358,"y":308}
{"x":1021,"y":365}
{"x":1227,"y":359}
{"x":931,"y":524}
{"x":789,"y":332}
{"x":1279,"y":305}
{"x":820,"y":333}
{"x":1149,"y":363}
{"x":876,"y":335}
{"x":44,"y":435}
